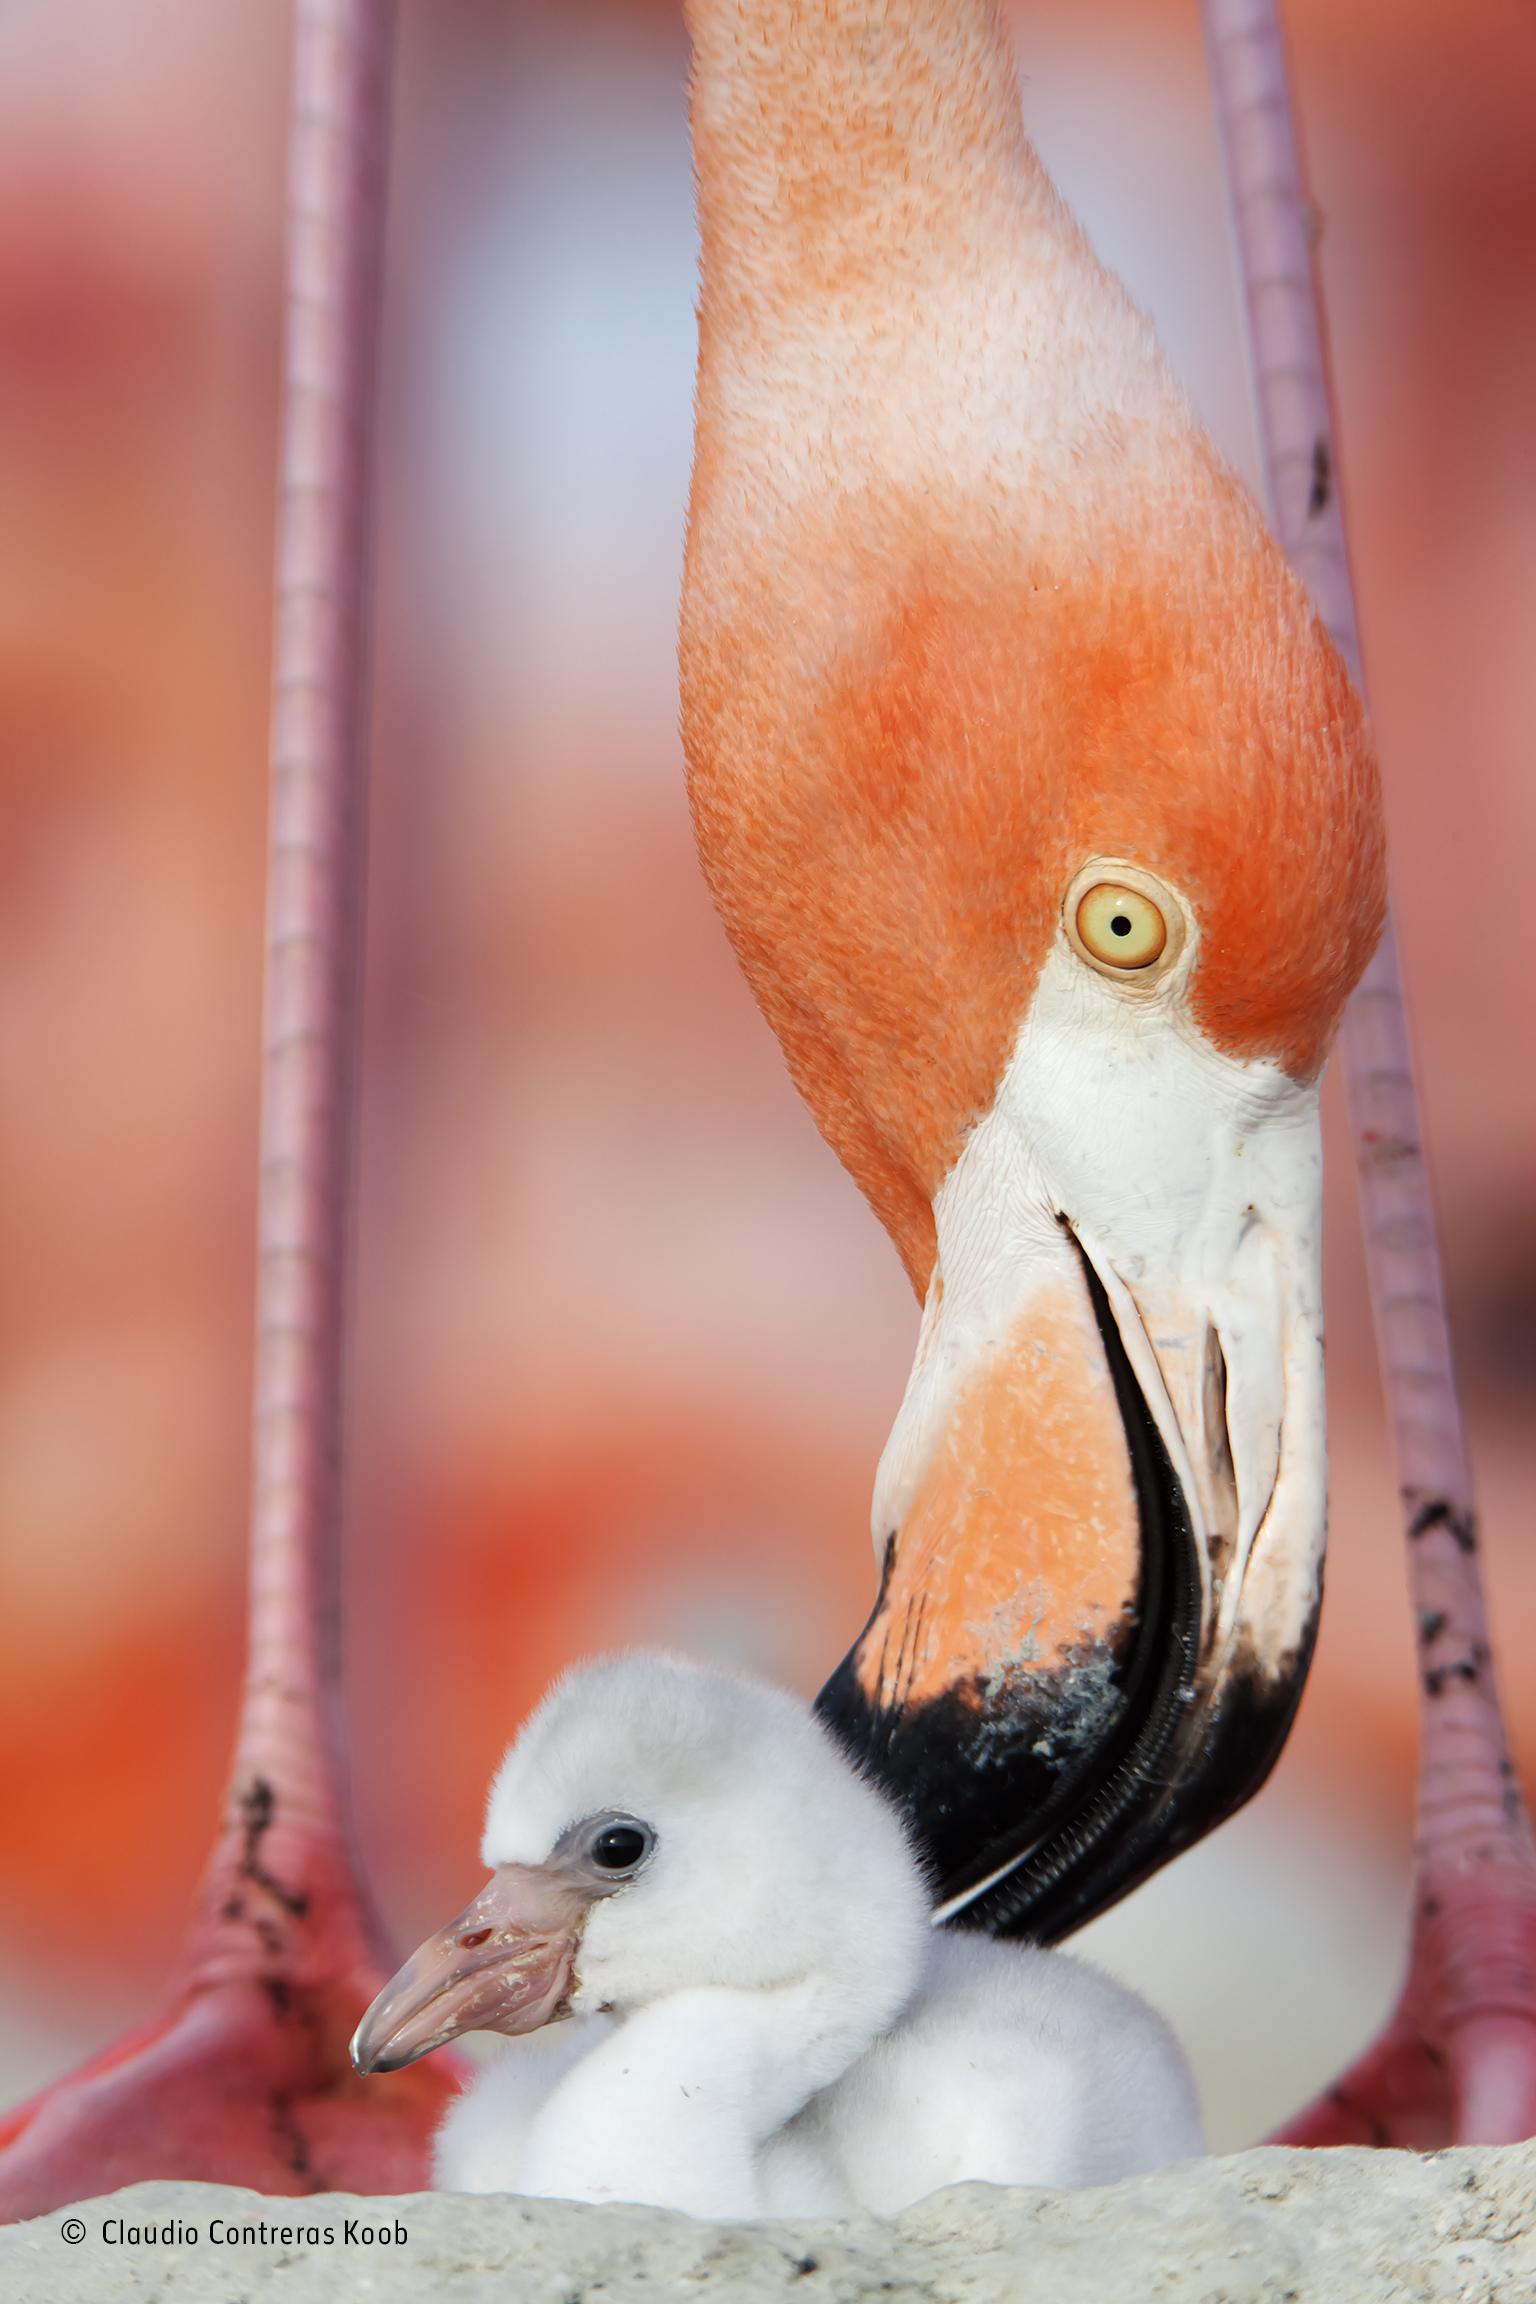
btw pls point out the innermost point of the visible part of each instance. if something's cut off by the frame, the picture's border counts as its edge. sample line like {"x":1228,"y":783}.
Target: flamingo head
{"x":658,"y":1828}
{"x":1044,"y":820}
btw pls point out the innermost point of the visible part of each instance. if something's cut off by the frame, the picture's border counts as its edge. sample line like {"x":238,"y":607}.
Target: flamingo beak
{"x":506,"y":1964}
{"x":1101,"y":1518}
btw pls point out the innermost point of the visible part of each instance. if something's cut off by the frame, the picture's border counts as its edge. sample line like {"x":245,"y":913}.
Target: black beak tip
{"x":1041,"y":1828}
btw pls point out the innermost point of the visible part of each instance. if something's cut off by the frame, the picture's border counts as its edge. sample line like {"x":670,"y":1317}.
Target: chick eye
{"x":620,"y":1847}
{"x":1124,"y":922}
{"x":1121,"y":926}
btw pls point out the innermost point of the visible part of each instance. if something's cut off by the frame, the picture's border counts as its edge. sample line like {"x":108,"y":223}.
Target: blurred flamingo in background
{"x":1458,"y":2056}
{"x":542,"y":1511}
{"x":244,"y":2077}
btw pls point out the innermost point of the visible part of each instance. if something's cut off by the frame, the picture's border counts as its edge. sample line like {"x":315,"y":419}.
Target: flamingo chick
{"x":764,"y":2020}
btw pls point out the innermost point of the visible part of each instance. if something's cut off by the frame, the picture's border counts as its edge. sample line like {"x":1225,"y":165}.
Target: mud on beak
{"x":1101,"y":1516}
{"x":506,"y":1964}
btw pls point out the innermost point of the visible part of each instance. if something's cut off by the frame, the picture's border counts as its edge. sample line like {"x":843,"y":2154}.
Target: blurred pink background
{"x":626,"y":1342}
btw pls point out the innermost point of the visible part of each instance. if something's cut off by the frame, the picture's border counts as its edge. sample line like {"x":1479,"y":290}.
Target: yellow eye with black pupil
{"x":1120,"y":926}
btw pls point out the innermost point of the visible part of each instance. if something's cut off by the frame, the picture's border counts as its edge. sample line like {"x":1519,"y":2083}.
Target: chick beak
{"x":506,"y":1964}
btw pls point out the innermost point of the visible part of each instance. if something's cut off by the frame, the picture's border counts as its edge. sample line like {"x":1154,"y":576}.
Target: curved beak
{"x":1100,"y":1518}
{"x":506,"y":1964}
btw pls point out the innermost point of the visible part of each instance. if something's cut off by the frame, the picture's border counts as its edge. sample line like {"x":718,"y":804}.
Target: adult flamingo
{"x":1093,"y":1623}
{"x":1042,"y":814}
{"x":1045,"y":823}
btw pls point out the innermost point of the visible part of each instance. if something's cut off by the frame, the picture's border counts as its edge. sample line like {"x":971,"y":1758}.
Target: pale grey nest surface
{"x":1265,"y":2227}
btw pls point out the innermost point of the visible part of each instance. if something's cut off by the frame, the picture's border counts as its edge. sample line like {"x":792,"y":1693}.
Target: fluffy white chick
{"x":763,"y":2020}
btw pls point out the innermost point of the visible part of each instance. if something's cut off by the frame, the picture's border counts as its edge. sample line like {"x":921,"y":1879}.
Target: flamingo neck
{"x":892,"y":294}
{"x":851,"y":138}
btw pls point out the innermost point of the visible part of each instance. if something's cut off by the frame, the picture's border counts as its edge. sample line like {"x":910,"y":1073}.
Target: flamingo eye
{"x":619,"y":1849}
{"x":1121,"y":927}
{"x":1123,"y":922}
{"x":617,"y":1846}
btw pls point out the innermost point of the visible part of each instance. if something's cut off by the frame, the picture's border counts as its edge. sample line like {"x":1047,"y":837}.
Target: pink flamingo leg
{"x":1458,"y":2060}
{"x":244,"y":2077}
